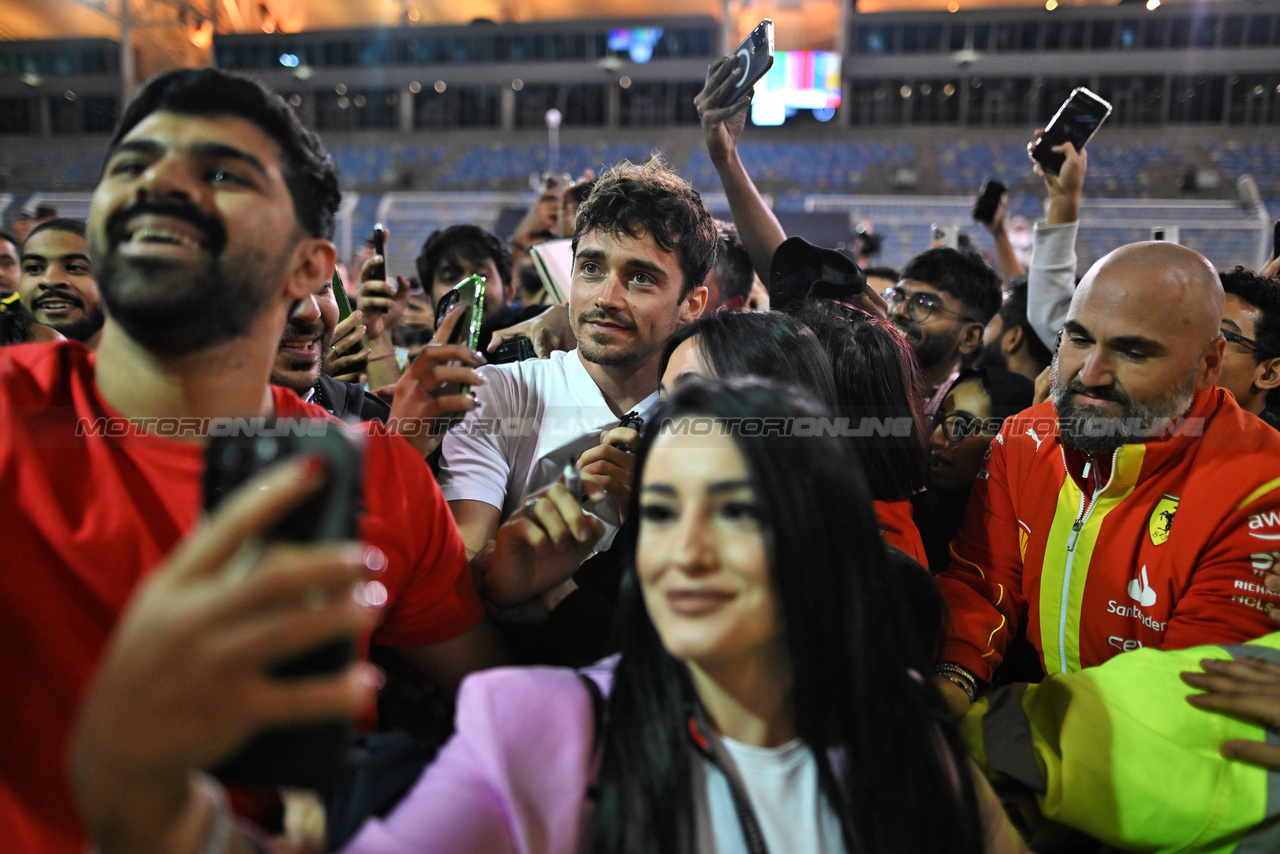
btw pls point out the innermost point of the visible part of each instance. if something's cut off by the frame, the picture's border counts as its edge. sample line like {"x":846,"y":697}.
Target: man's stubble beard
{"x":310,"y":370}
{"x":930,"y":350}
{"x":1087,"y":429}
{"x":83,"y":328}
{"x":601,"y":354}
{"x":211,"y":305}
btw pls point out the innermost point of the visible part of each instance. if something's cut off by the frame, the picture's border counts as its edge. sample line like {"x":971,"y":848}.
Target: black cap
{"x":802,"y":271}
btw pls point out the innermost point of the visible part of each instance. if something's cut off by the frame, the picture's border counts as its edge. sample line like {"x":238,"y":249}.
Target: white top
{"x":535,"y":416}
{"x":782,"y":784}
{"x":1051,"y":279}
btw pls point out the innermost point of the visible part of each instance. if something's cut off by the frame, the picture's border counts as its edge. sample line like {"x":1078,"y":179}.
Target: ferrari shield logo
{"x":1162,"y":519}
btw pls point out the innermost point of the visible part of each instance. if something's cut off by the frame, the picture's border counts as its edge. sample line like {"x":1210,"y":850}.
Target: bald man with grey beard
{"x":1129,"y":510}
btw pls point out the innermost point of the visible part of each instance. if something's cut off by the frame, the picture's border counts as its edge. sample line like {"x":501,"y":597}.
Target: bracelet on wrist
{"x":960,"y":677}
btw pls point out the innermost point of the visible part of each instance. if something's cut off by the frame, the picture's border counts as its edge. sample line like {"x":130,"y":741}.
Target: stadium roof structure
{"x":39,"y":19}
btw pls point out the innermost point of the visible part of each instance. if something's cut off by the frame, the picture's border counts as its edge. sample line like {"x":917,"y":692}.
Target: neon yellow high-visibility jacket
{"x":1117,"y":752}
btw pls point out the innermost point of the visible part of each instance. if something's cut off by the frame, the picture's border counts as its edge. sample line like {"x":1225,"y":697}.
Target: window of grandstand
{"x":455,"y":45}
{"x":874,"y":38}
{"x":1254,"y":99}
{"x":64,"y":114}
{"x":934,"y":102}
{"x":1003,"y":101}
{"x":15,"y":115}
{"x":100,"y":113}
{"x":1259,"y":32}
{"x":371,"y":109}
{"x":1197,"y":99}
{"x":60,"y":57}
{"x":1134,"y":100}
{"x":582,"y":104}
{"x":456,"y":107}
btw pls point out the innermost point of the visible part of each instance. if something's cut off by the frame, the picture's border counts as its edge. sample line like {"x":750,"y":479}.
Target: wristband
{"x":959,"y":676}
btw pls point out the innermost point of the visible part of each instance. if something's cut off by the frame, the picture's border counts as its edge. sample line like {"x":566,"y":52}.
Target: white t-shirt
{"x":536,"y":416}
{"x":782,"y":785}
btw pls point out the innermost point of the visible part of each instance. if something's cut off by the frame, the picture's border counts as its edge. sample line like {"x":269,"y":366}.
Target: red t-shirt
{"x":93,"y":505}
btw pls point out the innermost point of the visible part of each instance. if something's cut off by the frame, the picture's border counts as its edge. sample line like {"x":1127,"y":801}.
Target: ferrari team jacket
{"x":1161,"y":544}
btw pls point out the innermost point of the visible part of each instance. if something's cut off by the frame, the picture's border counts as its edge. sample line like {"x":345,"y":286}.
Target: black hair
{"x":630,"y":199}
{"x":1009,"y":393}
{"x":733,"y":264}
{"x":964,"y":275}
{"x":876,"y":377}
{"x":1013,"y":315}
{"x":309,"y":171}
{"x":765,"y":344}
{"x":1263,"y":294}
{"x":15,"y":324}
{"x":881,"y":273}
{"x":9,"y":236}
{"x":890,"y":762}
{"x":62,"y":223}
{"x":465,"y":242}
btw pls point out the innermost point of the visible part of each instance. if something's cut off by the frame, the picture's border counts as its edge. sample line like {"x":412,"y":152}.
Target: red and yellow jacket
{"x":1166,"y":549}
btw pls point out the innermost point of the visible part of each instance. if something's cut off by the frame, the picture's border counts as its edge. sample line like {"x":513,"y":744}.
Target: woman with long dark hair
{"x":766,"y":344}
{"x":858,"y":366}
{"x":768,"y":696}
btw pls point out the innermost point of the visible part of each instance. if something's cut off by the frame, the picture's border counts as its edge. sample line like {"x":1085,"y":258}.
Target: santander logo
{"x":1140,"y":590}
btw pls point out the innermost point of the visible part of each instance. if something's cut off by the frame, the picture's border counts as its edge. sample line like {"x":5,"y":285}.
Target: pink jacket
{"x":513,"y":778}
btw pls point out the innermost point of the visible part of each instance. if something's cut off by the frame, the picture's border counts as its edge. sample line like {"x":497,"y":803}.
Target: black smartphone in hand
{"x":310,"y":756}
{"x":380,"y":249}
{"x":988,"y":201}
{"x":753,"y":59}
{"x":1076,"y":121}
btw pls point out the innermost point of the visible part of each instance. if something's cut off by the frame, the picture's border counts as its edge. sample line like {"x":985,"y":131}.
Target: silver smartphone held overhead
{"x":1076,"y":121}
{"x":945,"y":235}
{"x":753,"y":59}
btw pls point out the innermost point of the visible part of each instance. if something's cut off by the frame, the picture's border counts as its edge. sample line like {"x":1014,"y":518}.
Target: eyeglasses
{"x":920,"y":306}
{"x":957,"y":426}
{"x":1247,"y":343}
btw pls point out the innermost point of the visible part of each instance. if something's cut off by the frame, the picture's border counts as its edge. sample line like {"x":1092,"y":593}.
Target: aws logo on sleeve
{"x":1265,"y":526}
{"x":1161,"y":520}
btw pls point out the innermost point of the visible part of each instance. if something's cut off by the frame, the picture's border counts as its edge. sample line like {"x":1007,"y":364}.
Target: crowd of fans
{"x":760,"y":549}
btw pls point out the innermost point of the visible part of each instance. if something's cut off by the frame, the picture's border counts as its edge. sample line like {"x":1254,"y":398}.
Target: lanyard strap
{"x":711,"y":748}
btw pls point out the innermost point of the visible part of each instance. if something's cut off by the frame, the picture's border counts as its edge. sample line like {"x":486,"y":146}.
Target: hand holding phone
{"x":722,"y":104}
{"x":308,"y":756}
{"x":435,"y":390}
{"x":988,"y":201}
{"x":347,"y":355}
{"x":1076,"y":121}
{"x":186,"y":677}
{"x":379,"y":242}
{"x":751,"y":60}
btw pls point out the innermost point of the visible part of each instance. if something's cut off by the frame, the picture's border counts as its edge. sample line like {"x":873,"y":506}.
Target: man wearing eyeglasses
{"x":943,"y":303}
{"x":1137,"y":507}
{"x":1251,"y":325}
